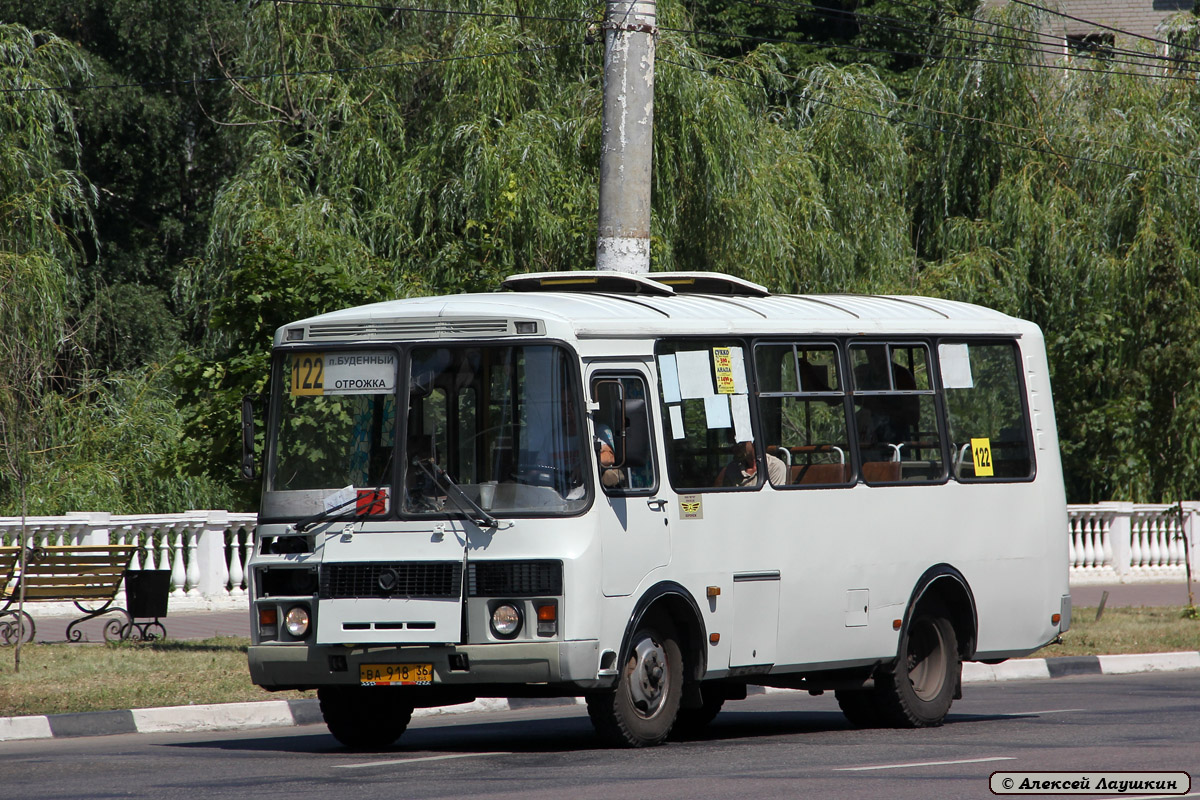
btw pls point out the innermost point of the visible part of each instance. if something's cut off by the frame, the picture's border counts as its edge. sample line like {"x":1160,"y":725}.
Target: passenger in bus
{"x":885,"y":419}
{"x":606,"y":455}
{"x":742,"y":469}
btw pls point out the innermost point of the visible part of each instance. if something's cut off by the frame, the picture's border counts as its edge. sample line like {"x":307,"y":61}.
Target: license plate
{"x":395,"y":674}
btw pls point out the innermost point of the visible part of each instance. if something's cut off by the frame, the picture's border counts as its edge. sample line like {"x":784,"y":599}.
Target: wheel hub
{"x":648,"y":679}
{"x":926,"y":662}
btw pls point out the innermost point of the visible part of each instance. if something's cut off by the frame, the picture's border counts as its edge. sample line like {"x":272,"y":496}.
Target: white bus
{"x":653,"y":492}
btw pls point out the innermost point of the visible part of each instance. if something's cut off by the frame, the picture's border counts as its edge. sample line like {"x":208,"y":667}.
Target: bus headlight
{"x":296,"y":622}
{"x":506,"y":620}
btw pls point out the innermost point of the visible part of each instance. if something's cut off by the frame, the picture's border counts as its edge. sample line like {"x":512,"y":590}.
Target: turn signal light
{"x":1055,"y":619}
{"x":547,"y":619}
{"x":713,"y":638}
{"x":897,"y":624}
{"x":268,"y":622}
{"x":713,"y":591}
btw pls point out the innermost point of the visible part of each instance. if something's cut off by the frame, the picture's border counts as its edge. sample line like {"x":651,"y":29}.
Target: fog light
{"x":296,"y":622}
{"x":506,"y":620}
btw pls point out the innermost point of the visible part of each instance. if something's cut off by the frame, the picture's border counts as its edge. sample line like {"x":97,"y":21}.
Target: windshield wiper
{"x":455,"y":493}
{"x":303,"y":525}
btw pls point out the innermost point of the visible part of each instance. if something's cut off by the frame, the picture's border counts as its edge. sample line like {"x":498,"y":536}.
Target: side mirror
{"x":248,"y":470}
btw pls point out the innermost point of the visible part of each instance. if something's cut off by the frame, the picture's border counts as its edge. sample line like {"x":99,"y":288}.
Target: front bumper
{"x":570,"y":665}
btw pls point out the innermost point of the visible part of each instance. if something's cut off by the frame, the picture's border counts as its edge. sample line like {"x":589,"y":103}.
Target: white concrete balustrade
{"x":1129,"y":542}
{"x":206,"y":551}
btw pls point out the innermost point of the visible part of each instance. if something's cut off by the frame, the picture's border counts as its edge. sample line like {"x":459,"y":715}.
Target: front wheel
{"x":918,"y":690}
{"x":642,"y":708}
{"x":364,"y":717}
{"x":691,"y":722}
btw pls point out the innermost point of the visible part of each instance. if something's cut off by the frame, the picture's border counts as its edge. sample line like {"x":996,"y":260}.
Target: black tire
{"x":691,"y":722}
{"x":918,"y":690}
{"x":364,"y":717}
{"x":641,"y":710}
{"x":860,"y":707}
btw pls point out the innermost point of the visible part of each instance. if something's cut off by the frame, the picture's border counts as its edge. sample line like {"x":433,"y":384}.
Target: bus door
{"x":634,"y":519}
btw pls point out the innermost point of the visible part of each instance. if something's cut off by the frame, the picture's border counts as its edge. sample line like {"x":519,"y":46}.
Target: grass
{"x":59,"y":678}
{"x":62,"y":677}
{"x":1127,"y":630}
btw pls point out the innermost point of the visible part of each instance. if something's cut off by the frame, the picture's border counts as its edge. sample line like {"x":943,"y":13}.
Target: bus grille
{"x":514,"y":578}
{"x":403,"y":579}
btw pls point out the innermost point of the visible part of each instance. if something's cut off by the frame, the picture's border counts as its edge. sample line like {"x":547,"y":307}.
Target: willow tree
{"x":42,"y":199}
{"x":441,"y":151}
{"x":1068,"y":192}
{"x":451,"y":148}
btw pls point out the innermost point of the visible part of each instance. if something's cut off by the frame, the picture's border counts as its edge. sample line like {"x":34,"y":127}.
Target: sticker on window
{"x":723,"y":368}
{"x":956,"y":366}
{"x":981,"y":454}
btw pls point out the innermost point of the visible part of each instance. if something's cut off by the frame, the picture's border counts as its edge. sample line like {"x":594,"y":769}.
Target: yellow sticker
{"x":308,"y":373}
{"x":723,"y":367}
{"x":981,"y":453}
{"x":691,"y":506}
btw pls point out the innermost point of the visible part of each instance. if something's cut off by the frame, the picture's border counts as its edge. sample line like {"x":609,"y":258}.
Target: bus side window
{"x":705,"y":404}
{"x":989,"y":429}
{"x":623,"y":443}
{"x":895,"y":413}
{"x":802,"y":405}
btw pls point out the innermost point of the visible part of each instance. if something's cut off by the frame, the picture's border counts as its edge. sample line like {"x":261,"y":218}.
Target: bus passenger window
{"x":622,"y":443}
{"x":989,"y":431}
{"x":706,"y":415}
{"x":895,"y":414}
{"x":802,"y":407}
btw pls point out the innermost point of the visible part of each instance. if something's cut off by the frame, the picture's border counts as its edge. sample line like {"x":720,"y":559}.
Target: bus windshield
{"x":500,"y":424}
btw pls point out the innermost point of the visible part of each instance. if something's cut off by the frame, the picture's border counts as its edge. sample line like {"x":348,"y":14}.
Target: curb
{"x":285,"y":713}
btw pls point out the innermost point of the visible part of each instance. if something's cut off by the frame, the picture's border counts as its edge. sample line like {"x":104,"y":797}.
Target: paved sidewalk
{"x":183,"y":625}
{"x":1133,"y":594}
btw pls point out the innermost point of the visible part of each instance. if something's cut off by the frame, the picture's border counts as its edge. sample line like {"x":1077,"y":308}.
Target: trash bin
{"x":146,"y":592}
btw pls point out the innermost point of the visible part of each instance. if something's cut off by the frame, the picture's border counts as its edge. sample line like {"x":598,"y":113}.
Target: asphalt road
{"x":770,"y":746}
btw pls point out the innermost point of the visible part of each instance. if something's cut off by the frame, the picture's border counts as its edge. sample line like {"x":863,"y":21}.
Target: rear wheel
{"x":860,"y":707}
{"x":640,"y":711}
{"x":364,"y":717}
{"x":918,"y":690}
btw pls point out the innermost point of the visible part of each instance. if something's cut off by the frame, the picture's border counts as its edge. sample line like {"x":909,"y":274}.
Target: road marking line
{"x":925,"y":764}
{"x":1033,"y":713}
{"x":415,"y":760}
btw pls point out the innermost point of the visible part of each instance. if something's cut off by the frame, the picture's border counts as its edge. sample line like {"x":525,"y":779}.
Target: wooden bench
{"x":89,"y":576}
{"x":10,"y":629}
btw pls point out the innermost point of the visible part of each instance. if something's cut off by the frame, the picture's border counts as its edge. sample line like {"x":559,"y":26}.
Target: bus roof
{"x":613,"y":307}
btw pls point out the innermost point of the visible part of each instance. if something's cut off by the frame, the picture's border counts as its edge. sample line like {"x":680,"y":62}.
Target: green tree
{"x":268,"y":286}
{"x":41,"y":200}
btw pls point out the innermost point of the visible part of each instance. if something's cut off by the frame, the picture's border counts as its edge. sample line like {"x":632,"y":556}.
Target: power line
{"x":269,"y":75}
{"x":1106,"y":27}
{"x":932,"y":56}
{"x":1020,"y":43}
{"x":937,"y":129}
{"x":1121,"y":50}
{"x":447,"y":12}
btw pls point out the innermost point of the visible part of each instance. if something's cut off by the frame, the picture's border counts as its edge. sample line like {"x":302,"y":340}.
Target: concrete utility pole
{"x":627,"y":141}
